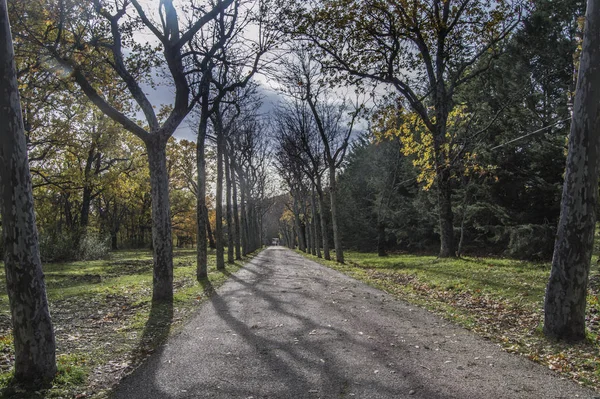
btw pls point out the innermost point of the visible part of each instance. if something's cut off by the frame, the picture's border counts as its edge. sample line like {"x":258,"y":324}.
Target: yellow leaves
{"x":287,"y":216}
{"x":419,"y":143}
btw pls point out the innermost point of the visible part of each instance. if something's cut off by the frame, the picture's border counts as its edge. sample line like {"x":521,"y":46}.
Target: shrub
{"x":70,"y":246}
{"x":531,"y":242}
{"x":93,"y":246}
{"x":57,"y":246}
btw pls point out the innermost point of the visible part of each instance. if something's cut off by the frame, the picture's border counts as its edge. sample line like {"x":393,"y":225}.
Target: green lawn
{"x":500,"y":299}
{"x":103,"y":318}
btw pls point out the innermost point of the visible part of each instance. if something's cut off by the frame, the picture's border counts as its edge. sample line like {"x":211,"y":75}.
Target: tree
{"x":300,"y":151}
{"x":334,"y":123}
{"x":290,"y":125}
{"x":181,"y":165}
{"x":424,"y":51}
{"x":377,"y":194}
{"x":567,"y":288}
{"x":35,"y":357}
{"x":251,"y":151}
{"x":84,"y":39}
{"x":76,"y":157}
{"x":225,"y":61}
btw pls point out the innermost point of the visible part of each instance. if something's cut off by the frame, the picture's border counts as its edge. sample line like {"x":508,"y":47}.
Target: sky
{"x":163,"y":93}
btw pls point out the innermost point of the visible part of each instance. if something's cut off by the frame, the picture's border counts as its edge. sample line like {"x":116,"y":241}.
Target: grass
{"x":500,"y":299}
{"x":104,"y":320}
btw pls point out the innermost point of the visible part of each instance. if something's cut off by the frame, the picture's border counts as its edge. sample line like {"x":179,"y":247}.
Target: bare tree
{"x":334,"y":121}
{"x":252,"y":168}
{"x":232,"y":61}
{"x":300,"y":148}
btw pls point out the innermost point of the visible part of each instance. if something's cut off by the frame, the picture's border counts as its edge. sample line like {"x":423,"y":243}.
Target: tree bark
{"x":162,"y":243}
{"x":113,"y":241}
{"x":86,"y":198}
{"x":324,"y":234}
{"x":209,"y":231}
{"x":86,"y":201}
{"x":299,"y":232}
{"x":315,"y":235}
{"x":35,"y":359}
{"x":255,"y":228}
{"x":337,"y":239}
{"x":315,"y":222}
{"x":236,"y":216}
{"x":219,"y":199}
{"x":446,"y":216}
{"x":244,"y":217}
{"x":228,"y":215}
{"x":463,"y":221}
{"x":567,"y":287}
{"x":307,"y":229}
{"x":201,"y":209}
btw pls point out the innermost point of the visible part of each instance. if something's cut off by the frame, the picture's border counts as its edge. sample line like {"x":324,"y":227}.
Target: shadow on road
{"x":288,"y":361}
{"x":284,"y":327}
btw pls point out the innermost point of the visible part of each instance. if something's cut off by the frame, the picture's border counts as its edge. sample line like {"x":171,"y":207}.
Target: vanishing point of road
{"x":287,"y":327}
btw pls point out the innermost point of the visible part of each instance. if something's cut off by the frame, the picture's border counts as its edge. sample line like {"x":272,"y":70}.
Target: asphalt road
{"x":287,"y":327}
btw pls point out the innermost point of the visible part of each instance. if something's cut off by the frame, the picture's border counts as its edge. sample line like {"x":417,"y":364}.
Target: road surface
{"x":287,"y":327}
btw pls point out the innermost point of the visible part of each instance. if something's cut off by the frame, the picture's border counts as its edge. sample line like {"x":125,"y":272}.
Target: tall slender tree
{"x":35,"y":359}
{"x":334,"y":122}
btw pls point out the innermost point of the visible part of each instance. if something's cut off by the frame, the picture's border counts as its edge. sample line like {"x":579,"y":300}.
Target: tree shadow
{"x":156,"y":331}
{"x":207,"y":286}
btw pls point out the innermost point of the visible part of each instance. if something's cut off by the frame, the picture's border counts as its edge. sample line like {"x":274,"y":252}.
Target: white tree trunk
{"x":567,"y":288}
{"x":32,"y":328}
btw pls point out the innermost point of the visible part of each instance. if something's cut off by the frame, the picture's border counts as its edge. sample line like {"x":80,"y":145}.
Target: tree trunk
{"x":244,"y":218}
{"x":294,"y":238}
{"x":463,"y":221}
{"x":250,"y":226}
{"x":337,"y":239}
{"x":315,"y":222}
{"x":567,"y":287}
{"x":201,"y":210}
{"x":307,"y":229}
{"x":35,"y":359}
{"x":219,"y":200}
{"x":162,"y":243}
{"x":255,"y":231}
{"x":236,"y":216}
{"x":315,"y":235}
{"x":113,"y":241}
{"x":324,"y":234}
{"x":86,"y":202}
{"x":228,"y":215}
{"x":299,"y":232}
{"x":446,"y":217}
{"x":209,"y":231}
